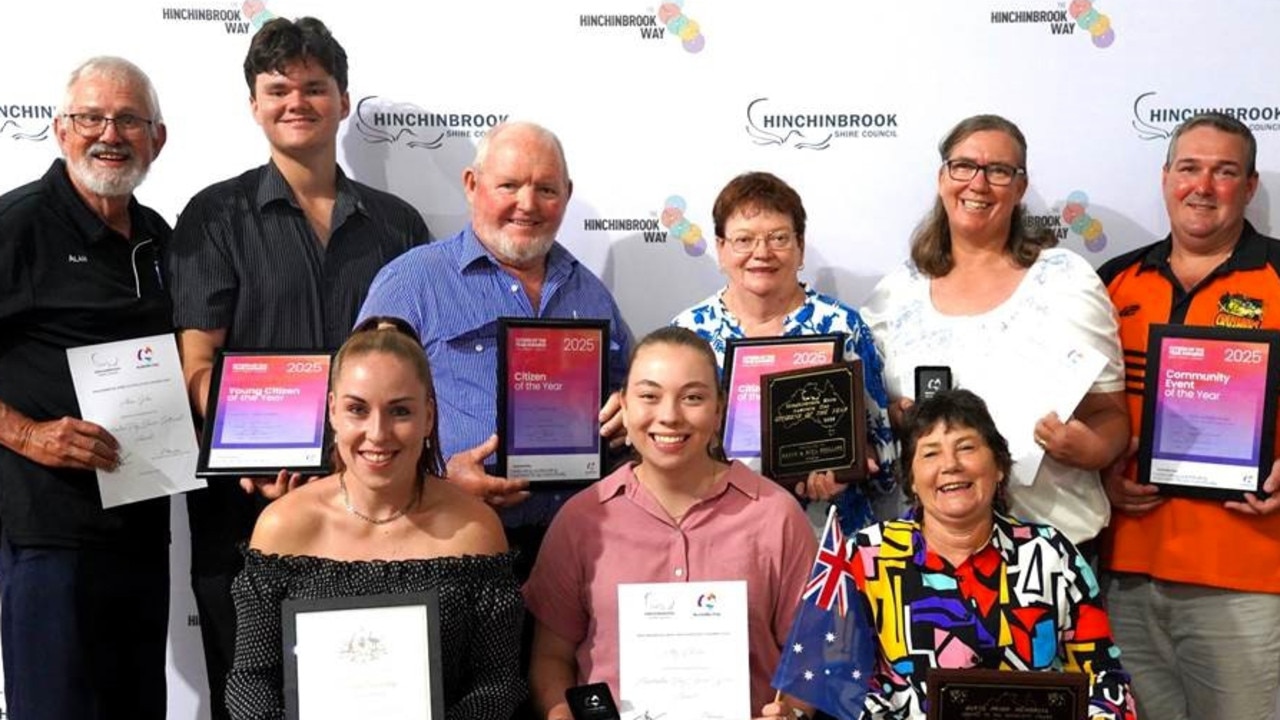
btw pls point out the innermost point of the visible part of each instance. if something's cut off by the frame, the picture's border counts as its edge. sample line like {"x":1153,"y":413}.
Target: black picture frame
{"x":742,"y":384}
{"x":571,"y":466}
{"x":973,"y":693}
{"x":427,"y":600}
{"x":1170,"y":394}
{"x":217,"y":457}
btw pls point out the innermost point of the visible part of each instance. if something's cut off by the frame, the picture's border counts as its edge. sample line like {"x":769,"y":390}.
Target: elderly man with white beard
{"x":505,"y":263}
{"x":84,"y":591}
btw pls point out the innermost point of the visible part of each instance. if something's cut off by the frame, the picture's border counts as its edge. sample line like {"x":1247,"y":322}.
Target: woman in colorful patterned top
{"x":957,"y":584}
{"x":760,"y":224}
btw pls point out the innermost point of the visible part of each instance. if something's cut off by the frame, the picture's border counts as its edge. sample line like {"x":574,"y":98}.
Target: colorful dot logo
{"x":707,"y":601}
{"x":1088,"y":18}
{"x":145,"y":354}
{"x":678,"y":24}
{"x":679,"y":228}
{"x":257,"y":13}
{"x":1074,"y":214}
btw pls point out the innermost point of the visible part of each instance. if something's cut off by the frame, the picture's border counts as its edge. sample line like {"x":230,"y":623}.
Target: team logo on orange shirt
{"x":1238,"y":311}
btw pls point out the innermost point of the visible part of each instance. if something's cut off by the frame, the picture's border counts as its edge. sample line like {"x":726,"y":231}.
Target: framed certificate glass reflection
{"x":746,"y":360}
{"x":266,"y":411}
{"x":375,"y":656}
{"x":1209,"y":410}
{"x":551,"y":385}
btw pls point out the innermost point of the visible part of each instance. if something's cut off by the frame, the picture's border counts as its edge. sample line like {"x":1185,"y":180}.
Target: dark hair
{"x":931,"y":241}
{"x":682,"y":337}
{"x":761,"y":190}
{"x":1218,"y":121}
{"x":952,"y":408}
{"x":395,"y":337}
{"x":282,"y":41}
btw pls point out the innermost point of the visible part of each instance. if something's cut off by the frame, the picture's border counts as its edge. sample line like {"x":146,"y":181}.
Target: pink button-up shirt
{"x":615,"y":531}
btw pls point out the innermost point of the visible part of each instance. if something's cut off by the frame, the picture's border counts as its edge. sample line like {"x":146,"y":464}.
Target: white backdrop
{"x":659,"y":105}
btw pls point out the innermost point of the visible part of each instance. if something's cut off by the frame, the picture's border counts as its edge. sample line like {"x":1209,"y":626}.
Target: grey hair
{"x":119,"y":69}
{"x":543,"y":134}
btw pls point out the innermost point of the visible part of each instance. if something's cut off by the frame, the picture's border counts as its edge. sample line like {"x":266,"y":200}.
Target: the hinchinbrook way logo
{"x":381,"y":121}
{"x":1072,"y":217}
{"x":249,"y":17}
{"x":669,"y":22}
{"x":1155,"y":120}
{"x":21,"y":121}
{"x":671,"y":224}
{"x":813,"y":129}
{"x":1080,"y":14}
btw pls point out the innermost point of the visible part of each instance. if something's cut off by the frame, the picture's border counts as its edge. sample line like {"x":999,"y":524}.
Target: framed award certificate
{"x":1007,"y":695}
{"x":551,"y":385}
{"x":266,"y":411}
{"x":814,"y":419}
{"x":746,"y":360}
{"x":376,"y":656}
{"x":1209,"y":410}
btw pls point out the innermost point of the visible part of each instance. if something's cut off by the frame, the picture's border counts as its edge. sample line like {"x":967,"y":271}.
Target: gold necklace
{"x":346,"y":501}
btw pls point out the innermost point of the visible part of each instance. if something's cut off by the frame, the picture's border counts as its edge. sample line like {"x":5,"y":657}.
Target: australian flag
{"x":831,"y":650}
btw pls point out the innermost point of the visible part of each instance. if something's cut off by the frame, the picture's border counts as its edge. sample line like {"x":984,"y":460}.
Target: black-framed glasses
{"x":997,"y":173}
{"x":746,"y":244}
{"x":91,"y":125}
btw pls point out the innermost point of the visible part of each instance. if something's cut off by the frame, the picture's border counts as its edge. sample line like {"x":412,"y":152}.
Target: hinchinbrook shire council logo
{"x":815,"y":130}
{"x":30,"y":122}
{"x":381,"y":121}
{"x":249,"y":17}
{"x":669,"y":22}
{"x":1080,"y":14}
{"x":1156,"y":121}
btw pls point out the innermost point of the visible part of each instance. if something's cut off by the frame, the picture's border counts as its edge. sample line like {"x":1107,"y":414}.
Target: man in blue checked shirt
{"x":505,"y":263}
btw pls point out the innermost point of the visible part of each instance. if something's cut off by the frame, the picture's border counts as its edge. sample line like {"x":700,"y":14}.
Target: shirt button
{"x":679,"y":572}
{"x":515,"y":288}
{"x":479,"y":348}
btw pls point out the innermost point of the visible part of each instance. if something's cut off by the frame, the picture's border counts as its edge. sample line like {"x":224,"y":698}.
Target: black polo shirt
{"x":244,"y":258}
{"x":67,"y":280}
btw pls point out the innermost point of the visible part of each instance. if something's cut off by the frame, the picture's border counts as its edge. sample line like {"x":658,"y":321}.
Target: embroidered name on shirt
{"x":78,"y":258}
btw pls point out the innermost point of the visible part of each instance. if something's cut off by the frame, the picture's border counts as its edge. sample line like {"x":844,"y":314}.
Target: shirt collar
{"x":272,"y":188}
{"x":738,"y":477}
{"x":87,"y":223}
{"x":1250,"y":252}
{"x":732,"y":321}
{"x":1001,"y":540}
{"x":472,"y":251}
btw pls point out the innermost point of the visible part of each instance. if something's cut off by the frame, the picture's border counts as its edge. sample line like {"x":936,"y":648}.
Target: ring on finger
{"x":1042,"y":443}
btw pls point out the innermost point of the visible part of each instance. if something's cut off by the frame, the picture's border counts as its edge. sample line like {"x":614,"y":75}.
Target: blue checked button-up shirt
{"x":453,"y":292}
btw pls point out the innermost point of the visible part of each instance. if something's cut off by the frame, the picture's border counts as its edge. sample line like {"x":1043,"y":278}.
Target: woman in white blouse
{"x":979,"y":289}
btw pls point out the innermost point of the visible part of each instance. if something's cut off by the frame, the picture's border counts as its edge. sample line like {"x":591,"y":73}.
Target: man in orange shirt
{"x":1194,"y":588}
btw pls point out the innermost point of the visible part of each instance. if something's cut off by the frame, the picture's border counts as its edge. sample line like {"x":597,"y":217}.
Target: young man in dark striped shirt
{"x":279,"y":257}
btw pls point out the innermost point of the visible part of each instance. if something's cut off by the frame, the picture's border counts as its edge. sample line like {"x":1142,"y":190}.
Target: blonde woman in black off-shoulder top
{"x":385,"y":522}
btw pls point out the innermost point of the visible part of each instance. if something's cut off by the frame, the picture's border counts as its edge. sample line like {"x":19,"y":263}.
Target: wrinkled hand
{"x":466,"y":470}
{"x":273,"y":488}
{"x":1252,"y":505}
{"x":611,"y":426}
{"x":1127,"y":496}
{"x":70,"y":443}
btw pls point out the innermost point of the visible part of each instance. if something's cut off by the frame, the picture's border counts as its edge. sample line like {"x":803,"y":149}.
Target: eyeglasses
{"x":746,"y":244}
{"x":997,"y":173}
{"x":91,"y":125}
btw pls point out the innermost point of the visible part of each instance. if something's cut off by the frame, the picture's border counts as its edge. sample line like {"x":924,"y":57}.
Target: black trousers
{"x":83,"y":632}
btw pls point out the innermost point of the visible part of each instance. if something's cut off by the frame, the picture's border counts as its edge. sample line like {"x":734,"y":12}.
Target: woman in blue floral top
{"x":760,"y":224}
